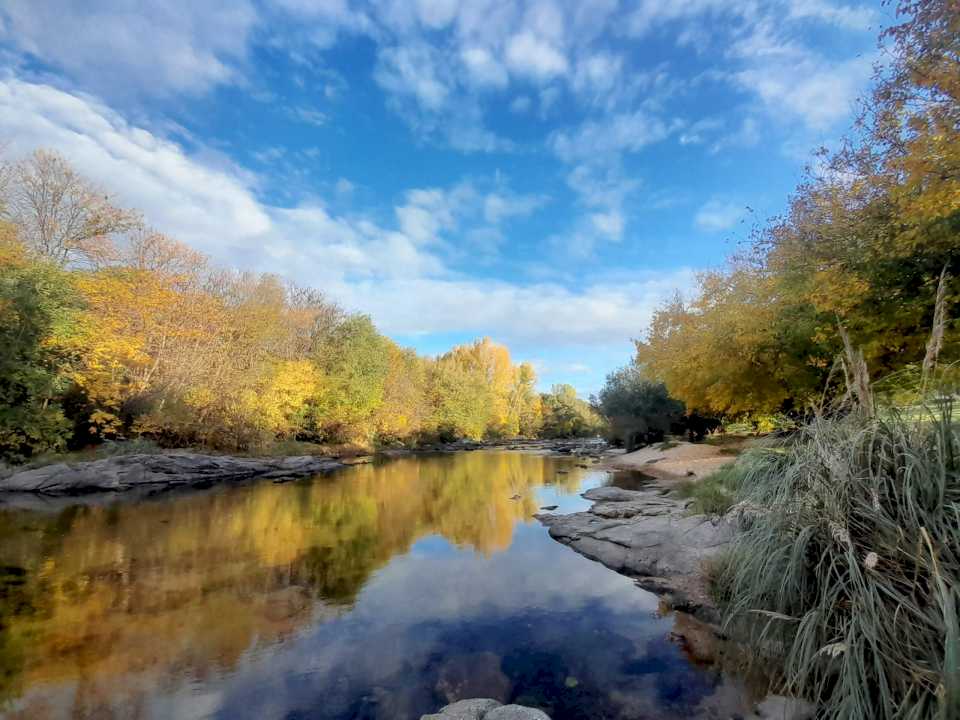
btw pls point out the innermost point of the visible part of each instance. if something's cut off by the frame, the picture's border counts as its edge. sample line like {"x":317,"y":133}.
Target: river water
{"x":382,"y":591}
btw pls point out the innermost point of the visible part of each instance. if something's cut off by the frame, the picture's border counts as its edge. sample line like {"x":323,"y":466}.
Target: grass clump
{"x":848,"y":569}
{"x":717,"y":492}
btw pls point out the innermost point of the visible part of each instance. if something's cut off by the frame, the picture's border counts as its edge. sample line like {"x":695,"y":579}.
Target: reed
{"x":848,"y":572}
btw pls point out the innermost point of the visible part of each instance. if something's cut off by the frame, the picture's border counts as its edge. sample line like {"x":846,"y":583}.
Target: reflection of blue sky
{"x":536,"y":601}
{"x":566,"y":501}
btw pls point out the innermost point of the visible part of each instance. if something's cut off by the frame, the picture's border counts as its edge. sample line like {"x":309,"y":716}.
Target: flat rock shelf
{"x":647,"y":535}
{"x":159,"y":472}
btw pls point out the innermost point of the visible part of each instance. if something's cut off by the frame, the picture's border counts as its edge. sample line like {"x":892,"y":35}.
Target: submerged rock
{"x":473,"y":673}
{"x":646,"y":535}
{"x":159,"y":472}
{"x":486,"y":709}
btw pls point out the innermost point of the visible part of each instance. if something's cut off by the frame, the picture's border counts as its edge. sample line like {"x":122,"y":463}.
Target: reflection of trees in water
{"x":186,"y":585}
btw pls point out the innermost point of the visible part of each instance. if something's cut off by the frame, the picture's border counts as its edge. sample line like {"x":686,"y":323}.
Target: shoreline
{"x":139,"y":475}
{"x":647,"y":534}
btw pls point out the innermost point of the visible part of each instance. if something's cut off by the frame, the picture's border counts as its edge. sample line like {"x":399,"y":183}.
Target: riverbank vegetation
{"x":846,"y":571}
{"x":110,"y":330}
{"x":863,"y":245}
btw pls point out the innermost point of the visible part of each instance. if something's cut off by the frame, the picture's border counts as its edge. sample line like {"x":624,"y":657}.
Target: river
{"x":382,"y":591}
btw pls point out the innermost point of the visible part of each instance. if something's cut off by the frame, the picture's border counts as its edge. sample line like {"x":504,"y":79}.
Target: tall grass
{"x":849,"y":571}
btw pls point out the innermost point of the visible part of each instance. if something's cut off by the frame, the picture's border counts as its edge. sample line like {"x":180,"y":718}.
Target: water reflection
{"x":379,"y":593}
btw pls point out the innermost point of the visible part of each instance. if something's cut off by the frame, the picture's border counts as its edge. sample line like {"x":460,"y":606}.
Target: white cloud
{"x":597,"y":75}
{"x":623,"y":132}
{"x":540,"y":313}
{"x":417,"y":71}
{"x":854,"y":17}
{"x":499,"y":206}
{"x":200,"y":204}
{"x":821,"y":94}
{"x":390,"y":273}
{"x":609,"y":224}
{"x":308,"y":116}
{"x":717,"y":215}
{"x":134,"y":48}
{"x":520,"y":104}
{"x":747,"y":135}
{"x":649,"y":14}
{"x":436,"y":14}
{"x":795,"y":82}
{"x":531,"y":56}
{"x":483,"y":68}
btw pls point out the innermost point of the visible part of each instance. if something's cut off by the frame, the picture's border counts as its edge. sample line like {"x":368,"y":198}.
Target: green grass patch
{"x":716,"y":493}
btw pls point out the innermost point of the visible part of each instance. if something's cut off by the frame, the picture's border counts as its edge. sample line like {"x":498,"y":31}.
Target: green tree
{"x":632,"y":403}
{"x":355,"y":363}
{"x":37,"y":308}
{"x":567,"y":416}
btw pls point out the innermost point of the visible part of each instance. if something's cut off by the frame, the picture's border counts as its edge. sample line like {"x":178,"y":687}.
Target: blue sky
{"x":543,"y":172}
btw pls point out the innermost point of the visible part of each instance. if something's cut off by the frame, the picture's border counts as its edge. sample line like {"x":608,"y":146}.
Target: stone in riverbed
{"x":486,"y":709}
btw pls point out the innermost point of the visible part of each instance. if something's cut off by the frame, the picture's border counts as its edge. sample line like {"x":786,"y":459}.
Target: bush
{"x":849,"y":571}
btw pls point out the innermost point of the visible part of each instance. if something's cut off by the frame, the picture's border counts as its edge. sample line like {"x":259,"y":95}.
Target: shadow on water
{"x":630,"y":479}
{"x":384,"y":591}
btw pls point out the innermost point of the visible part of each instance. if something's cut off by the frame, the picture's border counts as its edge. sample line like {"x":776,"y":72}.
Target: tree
{"x":60,"y":215}
{"x":354,"y":361}
{"x":636,"y":406}
{"x":567,"y":416}
{"x":37,"y":307}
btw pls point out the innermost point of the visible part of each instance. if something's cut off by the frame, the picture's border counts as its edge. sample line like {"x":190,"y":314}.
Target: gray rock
{"x":779,"y":707}
{"x":515,"y":712}
{"x":647,"y":535}
{"x":609,"y":493}
{"x":485,"y":709}
{"x":159,"y":472}
{"x":475,"y":709}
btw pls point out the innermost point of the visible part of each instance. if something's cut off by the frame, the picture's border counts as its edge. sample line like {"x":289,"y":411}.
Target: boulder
{"x":486,"y":709}
{"x":159,"y":472}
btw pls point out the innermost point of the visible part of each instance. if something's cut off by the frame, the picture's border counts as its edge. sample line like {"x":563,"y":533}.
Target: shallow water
{"x":384,"y":591}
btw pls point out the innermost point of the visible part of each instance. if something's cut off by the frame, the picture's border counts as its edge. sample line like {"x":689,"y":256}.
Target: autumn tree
{"x":565,"y":415}
{"x":59,"y":214}
{"x":862,"y":246}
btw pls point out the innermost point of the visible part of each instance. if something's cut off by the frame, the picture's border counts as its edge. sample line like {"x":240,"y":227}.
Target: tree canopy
{"x":862,"y":246}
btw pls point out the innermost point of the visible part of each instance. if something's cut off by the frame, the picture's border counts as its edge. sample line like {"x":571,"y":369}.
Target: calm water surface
{"x":384,"y":591}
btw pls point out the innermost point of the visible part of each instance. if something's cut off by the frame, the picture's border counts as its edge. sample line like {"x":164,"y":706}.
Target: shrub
{"x":850,"y":571}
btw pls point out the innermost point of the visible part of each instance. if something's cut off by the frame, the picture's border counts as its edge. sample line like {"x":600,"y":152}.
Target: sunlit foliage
{"x":112,"y":330}
{"x":862,"y":245}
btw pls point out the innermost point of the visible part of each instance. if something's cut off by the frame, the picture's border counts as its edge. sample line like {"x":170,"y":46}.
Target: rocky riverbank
{"x":151,"y":473}
{"x":647,"y":535}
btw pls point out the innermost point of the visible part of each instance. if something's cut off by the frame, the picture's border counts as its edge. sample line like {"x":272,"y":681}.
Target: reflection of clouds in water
{"x":437,"y":601}
{"x":347,"y":596}
{"x":534,"y":572}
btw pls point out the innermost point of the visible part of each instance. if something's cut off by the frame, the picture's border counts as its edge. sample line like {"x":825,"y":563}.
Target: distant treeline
{"x":861,"y":249}
{"x":109,"y":329}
